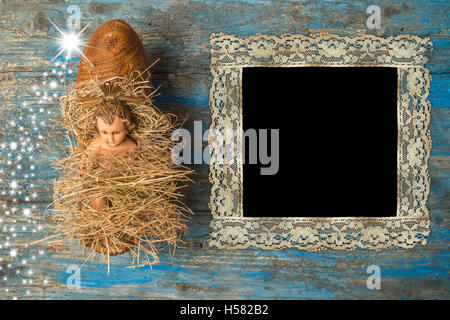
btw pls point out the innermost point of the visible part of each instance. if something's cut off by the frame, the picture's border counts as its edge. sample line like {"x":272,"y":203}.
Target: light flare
{"x":70,"y":42}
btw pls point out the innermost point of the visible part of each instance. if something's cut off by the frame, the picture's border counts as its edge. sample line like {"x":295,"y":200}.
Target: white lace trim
{"x":229,"y":54}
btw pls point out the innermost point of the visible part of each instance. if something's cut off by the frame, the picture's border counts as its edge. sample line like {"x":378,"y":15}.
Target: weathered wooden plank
{"x":178,"y":32}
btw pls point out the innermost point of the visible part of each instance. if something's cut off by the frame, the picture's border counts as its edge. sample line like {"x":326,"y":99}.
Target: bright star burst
{"x":70,"y":42}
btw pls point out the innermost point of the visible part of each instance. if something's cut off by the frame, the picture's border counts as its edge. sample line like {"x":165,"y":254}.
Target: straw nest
{"x":145,"y":212}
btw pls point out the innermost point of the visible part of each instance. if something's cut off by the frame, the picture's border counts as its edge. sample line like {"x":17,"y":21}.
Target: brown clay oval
{"x":114,"y":49}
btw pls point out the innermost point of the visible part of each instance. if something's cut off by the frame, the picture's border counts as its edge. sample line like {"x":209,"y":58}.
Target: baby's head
{"x":112,"y":121}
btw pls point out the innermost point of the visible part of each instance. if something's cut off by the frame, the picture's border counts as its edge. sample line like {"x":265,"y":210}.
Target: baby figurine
{"x":112,"y":123}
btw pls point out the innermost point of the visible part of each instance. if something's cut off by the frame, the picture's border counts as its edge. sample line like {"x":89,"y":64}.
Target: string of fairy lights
{"x":25,"y":137}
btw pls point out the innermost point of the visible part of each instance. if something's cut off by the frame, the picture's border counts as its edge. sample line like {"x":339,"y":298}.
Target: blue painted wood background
{"x":177,"y":32}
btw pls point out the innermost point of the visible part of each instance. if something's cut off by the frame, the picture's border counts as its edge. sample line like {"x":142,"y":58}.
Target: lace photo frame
{"x":229,"y":229}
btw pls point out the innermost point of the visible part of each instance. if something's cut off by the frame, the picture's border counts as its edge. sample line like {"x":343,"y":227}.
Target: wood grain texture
{"x":178,"y":32}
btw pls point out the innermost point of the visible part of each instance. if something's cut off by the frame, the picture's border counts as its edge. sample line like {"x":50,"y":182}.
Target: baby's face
{"x":112,"y":134}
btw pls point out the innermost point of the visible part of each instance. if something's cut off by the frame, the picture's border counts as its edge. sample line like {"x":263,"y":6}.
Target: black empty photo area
{"x":337,"y":141}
